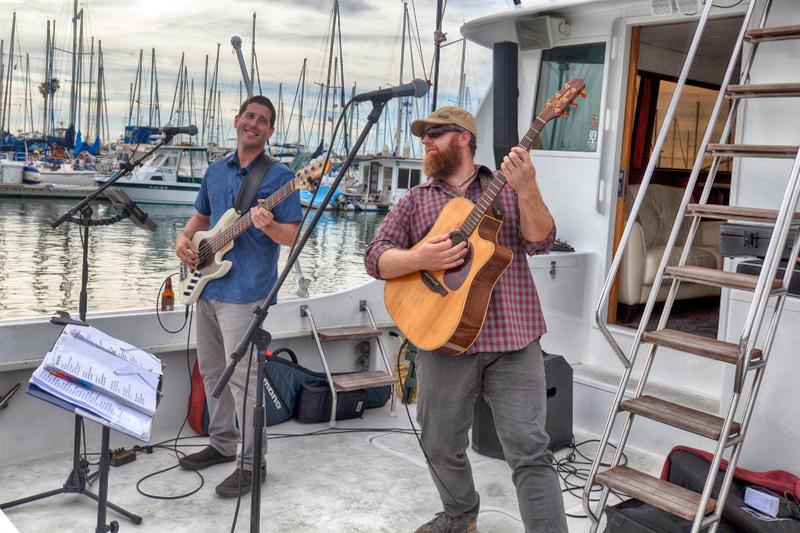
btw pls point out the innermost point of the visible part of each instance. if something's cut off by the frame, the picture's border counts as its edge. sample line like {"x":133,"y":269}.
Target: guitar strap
{"x":252,"y":181}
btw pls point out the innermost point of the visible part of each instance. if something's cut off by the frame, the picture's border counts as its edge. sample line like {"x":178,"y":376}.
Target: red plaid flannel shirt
{"x":515,"y":316}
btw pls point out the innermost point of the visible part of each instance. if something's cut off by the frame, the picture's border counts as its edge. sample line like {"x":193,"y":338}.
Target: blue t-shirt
{"x":254,"y":254}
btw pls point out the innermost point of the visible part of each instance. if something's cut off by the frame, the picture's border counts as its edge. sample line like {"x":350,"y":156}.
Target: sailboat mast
{"x":28,"y":92}
{"x":91,"y":83}
{"x":2,"y":76}
{"x":177,"y":85}
{"x":9,"y":79}
{"x":74,"y":63}
{"x":205,"y":88}
{"x":98,"y":117}
{"x":330,"y":60}
{"x":399,"y":130}
{"x":46,"y":78}
{"x":302,"y":95}
{"x":79,"y":82}
{"x":438,"y":37}
{"x":253,"y":54}
{"x":152,"y":87}
{"x":461,"y":78}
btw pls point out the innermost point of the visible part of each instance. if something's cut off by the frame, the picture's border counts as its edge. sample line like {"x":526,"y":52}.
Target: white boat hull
{"x":160,"y":193}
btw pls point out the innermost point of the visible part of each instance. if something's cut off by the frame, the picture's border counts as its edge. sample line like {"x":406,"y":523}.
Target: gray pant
{"x":513,"y":384}
{"x":220,"y":327}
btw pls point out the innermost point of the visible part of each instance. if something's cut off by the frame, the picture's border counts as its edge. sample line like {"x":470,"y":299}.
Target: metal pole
{"x":9,"y":78}
{"x":330,"y":60}
{"x":399,"y":128}
{"x":438,"y":37}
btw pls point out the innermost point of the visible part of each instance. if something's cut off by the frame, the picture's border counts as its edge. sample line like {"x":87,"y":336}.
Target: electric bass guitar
{"x":213,"y":244}
{"x":445,"y":310}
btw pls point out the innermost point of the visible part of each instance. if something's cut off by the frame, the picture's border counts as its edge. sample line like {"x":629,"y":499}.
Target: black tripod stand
{"x":261,"y":338}
{"x":79,"y":477}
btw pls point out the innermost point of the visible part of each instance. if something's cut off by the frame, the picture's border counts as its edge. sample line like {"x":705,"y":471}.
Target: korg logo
{"x":275,"y":399}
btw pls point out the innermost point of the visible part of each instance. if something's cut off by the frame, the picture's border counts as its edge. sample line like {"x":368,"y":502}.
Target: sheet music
{"x":109,"y":375}
{"x":104,"y":409}
{"x":100,"y":377}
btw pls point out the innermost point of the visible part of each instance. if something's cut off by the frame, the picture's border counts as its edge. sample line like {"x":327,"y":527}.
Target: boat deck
{"x":363,"y":477}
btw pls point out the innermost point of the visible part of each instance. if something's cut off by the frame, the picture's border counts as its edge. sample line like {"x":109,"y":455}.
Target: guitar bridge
{"x":432,"y":283}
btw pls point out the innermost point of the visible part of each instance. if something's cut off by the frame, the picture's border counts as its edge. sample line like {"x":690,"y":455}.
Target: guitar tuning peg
{"x":583,"y":94}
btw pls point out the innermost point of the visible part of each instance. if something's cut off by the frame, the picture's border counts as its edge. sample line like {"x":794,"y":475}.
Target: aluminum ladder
{"x":352,"y":380}
{"x":726,"y":431}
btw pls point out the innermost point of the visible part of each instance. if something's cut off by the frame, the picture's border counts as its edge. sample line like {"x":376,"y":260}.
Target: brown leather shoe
{"x":444,"y":523}
{"x":229,"y":488}
{"x":204,"y":458}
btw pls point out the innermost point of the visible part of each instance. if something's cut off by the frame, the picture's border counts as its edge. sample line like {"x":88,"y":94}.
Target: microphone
{"x":415,"y":88}
{"x":172,"y":131}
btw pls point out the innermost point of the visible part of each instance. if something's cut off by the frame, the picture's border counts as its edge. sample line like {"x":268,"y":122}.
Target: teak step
{"x":716,"y":349}
{"x":717,"y":278}
{"x":778,"y":33}
{"x":678,"y":416}
{"x":362,"y":380}
{"x":729,"y":212}
{"x":763,"y":90}
{"x":348,"y":332}
{"x":777,"y":151}
{"x":658,"y":493}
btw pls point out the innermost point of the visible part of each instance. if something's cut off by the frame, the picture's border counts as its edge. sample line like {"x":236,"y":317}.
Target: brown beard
{"x":442,"y":163}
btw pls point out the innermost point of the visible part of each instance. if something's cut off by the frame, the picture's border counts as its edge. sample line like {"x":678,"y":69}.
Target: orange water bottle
{"x":167,"y":296}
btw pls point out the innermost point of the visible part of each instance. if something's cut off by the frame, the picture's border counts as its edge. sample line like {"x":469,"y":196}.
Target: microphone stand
{"x":261,"y":338}
{"x":79,"y":477}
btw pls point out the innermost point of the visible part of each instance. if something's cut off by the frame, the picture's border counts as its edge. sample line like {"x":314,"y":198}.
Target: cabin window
{"x":408,"y":177}
{"x":185,"y":165}
{"x":170,"y":160}
{"x":199,"y":163}
{"x":578,"y":132}
{"x":374,"y":172}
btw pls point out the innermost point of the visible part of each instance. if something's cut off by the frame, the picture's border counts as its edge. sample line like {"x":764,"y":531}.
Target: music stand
{"x":79,"y":476}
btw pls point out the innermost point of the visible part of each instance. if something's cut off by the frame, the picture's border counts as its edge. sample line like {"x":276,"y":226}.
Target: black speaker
{"x":506,"y":92}
{"x":558,"y":378}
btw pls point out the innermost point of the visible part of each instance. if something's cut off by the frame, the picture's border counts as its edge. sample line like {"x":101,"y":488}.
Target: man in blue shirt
{"x":225,"y":307}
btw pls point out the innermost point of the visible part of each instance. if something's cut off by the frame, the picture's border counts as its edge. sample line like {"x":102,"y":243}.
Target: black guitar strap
{"x":252,"y":181}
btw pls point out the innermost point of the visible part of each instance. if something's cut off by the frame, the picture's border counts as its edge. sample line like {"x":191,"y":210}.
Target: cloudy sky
{"x":286,"y":33}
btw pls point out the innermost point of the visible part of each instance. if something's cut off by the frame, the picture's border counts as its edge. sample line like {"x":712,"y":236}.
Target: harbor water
{"x":40,"y":267}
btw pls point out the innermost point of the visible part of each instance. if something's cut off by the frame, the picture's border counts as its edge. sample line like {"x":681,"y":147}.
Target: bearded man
{"x":505,"y":363}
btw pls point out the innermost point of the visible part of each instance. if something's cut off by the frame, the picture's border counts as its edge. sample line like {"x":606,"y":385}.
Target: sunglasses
{"x":437,"y":131}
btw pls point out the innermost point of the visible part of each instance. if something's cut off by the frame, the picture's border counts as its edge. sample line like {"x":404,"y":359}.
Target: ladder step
{"x":778,"y":33}
{"x":753,"y":150}
{"x":763,"y":90}
{"x":362,"y":380}
{"x":729,"y":212}
{"x":348,"y":332}
{"x":658,"y":493}
{"x":716,"y":349}
{"x":678,"y":416}
{"x":717,"y":278}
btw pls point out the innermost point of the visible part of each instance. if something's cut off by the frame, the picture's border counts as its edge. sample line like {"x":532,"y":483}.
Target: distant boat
{"x":338,"y":200}
{"x":172,"y":175}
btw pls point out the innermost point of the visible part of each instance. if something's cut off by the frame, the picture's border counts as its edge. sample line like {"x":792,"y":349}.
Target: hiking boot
{"x":444,"y":523}
{"x":229,"y":488}
{"x":204,"y":458}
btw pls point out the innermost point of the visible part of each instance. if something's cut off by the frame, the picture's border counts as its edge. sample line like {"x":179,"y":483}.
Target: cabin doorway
{"x":657,"y":56}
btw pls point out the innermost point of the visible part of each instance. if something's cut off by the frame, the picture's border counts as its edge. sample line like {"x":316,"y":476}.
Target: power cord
{"x":187,"y":309}
{"x":573,"y":474}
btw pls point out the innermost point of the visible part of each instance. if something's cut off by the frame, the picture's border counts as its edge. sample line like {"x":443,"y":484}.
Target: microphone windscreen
{"x":420,"y":87}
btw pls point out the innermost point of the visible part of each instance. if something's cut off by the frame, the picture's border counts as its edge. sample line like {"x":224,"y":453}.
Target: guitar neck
{"x":245,"y":222}
{"x":498,"y":182}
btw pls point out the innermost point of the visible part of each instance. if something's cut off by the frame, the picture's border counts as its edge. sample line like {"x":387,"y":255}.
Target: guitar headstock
{"x":557,"y":105}
{"x":308,"y":177}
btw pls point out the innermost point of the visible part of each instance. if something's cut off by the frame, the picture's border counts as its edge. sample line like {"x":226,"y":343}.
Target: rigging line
{"x":291,"y":112}
{"x":419,"y":38}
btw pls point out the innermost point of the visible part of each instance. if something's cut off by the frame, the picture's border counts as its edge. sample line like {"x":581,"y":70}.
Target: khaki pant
{"x":220,"y":328}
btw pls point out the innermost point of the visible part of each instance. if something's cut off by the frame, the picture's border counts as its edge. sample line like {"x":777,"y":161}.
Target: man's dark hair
{"x":260,"y":100}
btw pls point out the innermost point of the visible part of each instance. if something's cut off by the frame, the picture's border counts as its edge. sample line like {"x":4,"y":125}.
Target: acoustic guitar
{"x":445,"y":310}
{"x":213,"y":244}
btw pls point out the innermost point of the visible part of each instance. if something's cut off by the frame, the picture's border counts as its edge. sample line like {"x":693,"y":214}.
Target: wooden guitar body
{"x":192,"y":281}
{"x":446,"y":312}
